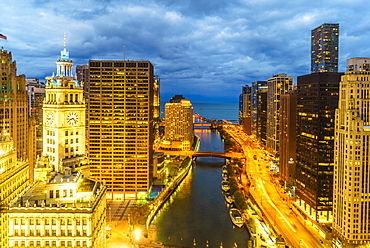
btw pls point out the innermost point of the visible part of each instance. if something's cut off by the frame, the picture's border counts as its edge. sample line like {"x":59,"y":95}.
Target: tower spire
{"x":65,"y":41}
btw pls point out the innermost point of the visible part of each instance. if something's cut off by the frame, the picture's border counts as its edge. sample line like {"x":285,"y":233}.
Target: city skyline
{"x":193,"y":44}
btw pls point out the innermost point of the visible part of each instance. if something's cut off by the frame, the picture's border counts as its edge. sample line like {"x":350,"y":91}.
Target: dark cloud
{"x":200,"y":48}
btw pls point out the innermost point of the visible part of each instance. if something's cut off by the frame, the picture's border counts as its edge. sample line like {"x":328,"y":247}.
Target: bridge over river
{"x":204,"y":154}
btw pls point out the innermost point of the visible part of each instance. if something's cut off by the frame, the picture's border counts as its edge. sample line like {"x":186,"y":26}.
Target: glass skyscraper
{"x":324,"y":48}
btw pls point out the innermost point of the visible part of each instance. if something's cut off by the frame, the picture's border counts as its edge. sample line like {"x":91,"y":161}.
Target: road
{"x":264,"y":188}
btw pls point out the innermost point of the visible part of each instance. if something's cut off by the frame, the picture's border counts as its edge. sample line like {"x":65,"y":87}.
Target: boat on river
{"x":224,"y":169}
{"x":225,"y":185}
{"x":225,"y":176}
{"x":236,"y":217}
{"x":228,"y":198}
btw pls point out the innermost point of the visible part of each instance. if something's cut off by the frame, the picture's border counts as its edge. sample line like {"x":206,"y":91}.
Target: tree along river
{"x":197,"y":214}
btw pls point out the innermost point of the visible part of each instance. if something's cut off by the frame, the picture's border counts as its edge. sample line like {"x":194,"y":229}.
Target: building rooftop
{"x":60,"y":193}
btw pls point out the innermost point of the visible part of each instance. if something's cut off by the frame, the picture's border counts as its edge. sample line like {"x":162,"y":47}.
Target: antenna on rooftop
{"x":65,"y":40}
{"x":124,"y":53}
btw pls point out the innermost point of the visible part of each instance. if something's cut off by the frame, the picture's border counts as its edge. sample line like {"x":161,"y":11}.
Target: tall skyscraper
{"x":317,"y":99}
{"x":245,"y":109}
{"x":120,"y":126}
{"x":324,"y":48}
{"x":64,"y":117}
{"x":179,"y":129}
{"x":14,"y":110}
{"x":287,"y":160}
{"x":257,"y":87}
{"x":262,"y":116}
{"x":351,"y":205}
{"x":17,"y":139}
{"x":276,"y":86}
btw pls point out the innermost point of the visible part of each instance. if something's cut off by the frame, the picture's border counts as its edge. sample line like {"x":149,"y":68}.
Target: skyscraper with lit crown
{"x":64,"y":116}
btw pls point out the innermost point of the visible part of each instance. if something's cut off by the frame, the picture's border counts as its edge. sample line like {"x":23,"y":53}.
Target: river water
{"x":197,"y":215}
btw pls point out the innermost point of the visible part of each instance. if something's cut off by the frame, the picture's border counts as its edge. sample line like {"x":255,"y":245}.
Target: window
{"x":51,"y":194}
{"x":66,"y":133}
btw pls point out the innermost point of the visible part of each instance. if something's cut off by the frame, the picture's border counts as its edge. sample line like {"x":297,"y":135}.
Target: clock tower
{"x":64,"y":116}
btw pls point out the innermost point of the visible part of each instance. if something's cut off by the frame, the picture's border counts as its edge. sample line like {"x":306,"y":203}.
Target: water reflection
{"x":196,"y":215}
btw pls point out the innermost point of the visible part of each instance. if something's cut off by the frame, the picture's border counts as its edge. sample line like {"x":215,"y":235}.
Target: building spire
{"x":65,"y":41}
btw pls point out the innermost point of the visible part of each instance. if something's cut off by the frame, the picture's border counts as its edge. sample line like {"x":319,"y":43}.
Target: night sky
{"x":205,"y":50}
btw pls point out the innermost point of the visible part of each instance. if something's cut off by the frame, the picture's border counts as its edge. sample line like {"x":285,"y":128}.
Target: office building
{"x":179,"y":129}
{"x":14,"y":178}
{"x":64,"y":210}
{"x":120,"y":126}
{"x":288,"y":107}
{"x":36,"y":95}
{"x":262,"y":117}
{"x":358,"y":64}
{"x":317,"y":99}
{"x":14,"y":110}
{"x":64,"y":117}
{"x":245,"y":109}
{"x":276,"y":86}
{"x":351,"y":215}
{"x":257,"y":87}
{"x":324,"y":48}
{"x":156,"y":99}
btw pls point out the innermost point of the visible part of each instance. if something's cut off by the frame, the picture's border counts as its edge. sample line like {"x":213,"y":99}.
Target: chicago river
{"x":197,"y":215}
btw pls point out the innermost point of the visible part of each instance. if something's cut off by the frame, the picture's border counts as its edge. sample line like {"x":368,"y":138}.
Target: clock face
{"x":50,"y":118}
{"x":72,"y":118}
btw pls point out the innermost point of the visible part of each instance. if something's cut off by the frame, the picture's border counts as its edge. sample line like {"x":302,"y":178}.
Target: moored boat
{"x":224,"y":169}
{"x":225,"y":185}
{"x":228,"y":198}
{"x":236,"y":217}
{"x":225,"y":176}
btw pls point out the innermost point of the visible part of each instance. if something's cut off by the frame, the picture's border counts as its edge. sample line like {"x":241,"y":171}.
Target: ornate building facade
{"x":64,"y":113}
{"x":64,"y":210}
{"x":351,"y":203}
{"x":14,"y":178}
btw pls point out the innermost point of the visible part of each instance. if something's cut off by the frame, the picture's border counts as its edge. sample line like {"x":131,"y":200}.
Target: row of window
{"x":49,"y":243}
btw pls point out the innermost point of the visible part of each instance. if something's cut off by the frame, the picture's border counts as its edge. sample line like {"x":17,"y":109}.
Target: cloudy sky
{"x":205,"y":50}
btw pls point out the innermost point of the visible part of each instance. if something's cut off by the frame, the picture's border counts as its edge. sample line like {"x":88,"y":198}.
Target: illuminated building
{"x":120,"y":126}
{"x":64,"y":116}
{"x":36,"y":95}
{"x":261,"y":122}
{"x":351,"y":213}
{"x":66,"y":210}
{"x":277,"y":85}
{"x":14,"y":110}
{"x":317,"y":99}
{"x":156,"y":99}
{"x":14,"y":178}
{"x":179,"y":129}
{"x":257,"y":88}
{"x":288,"y":106}
{"x":358,"y":64}
{"x":245,"y":109}
{"x":324,"y":48}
